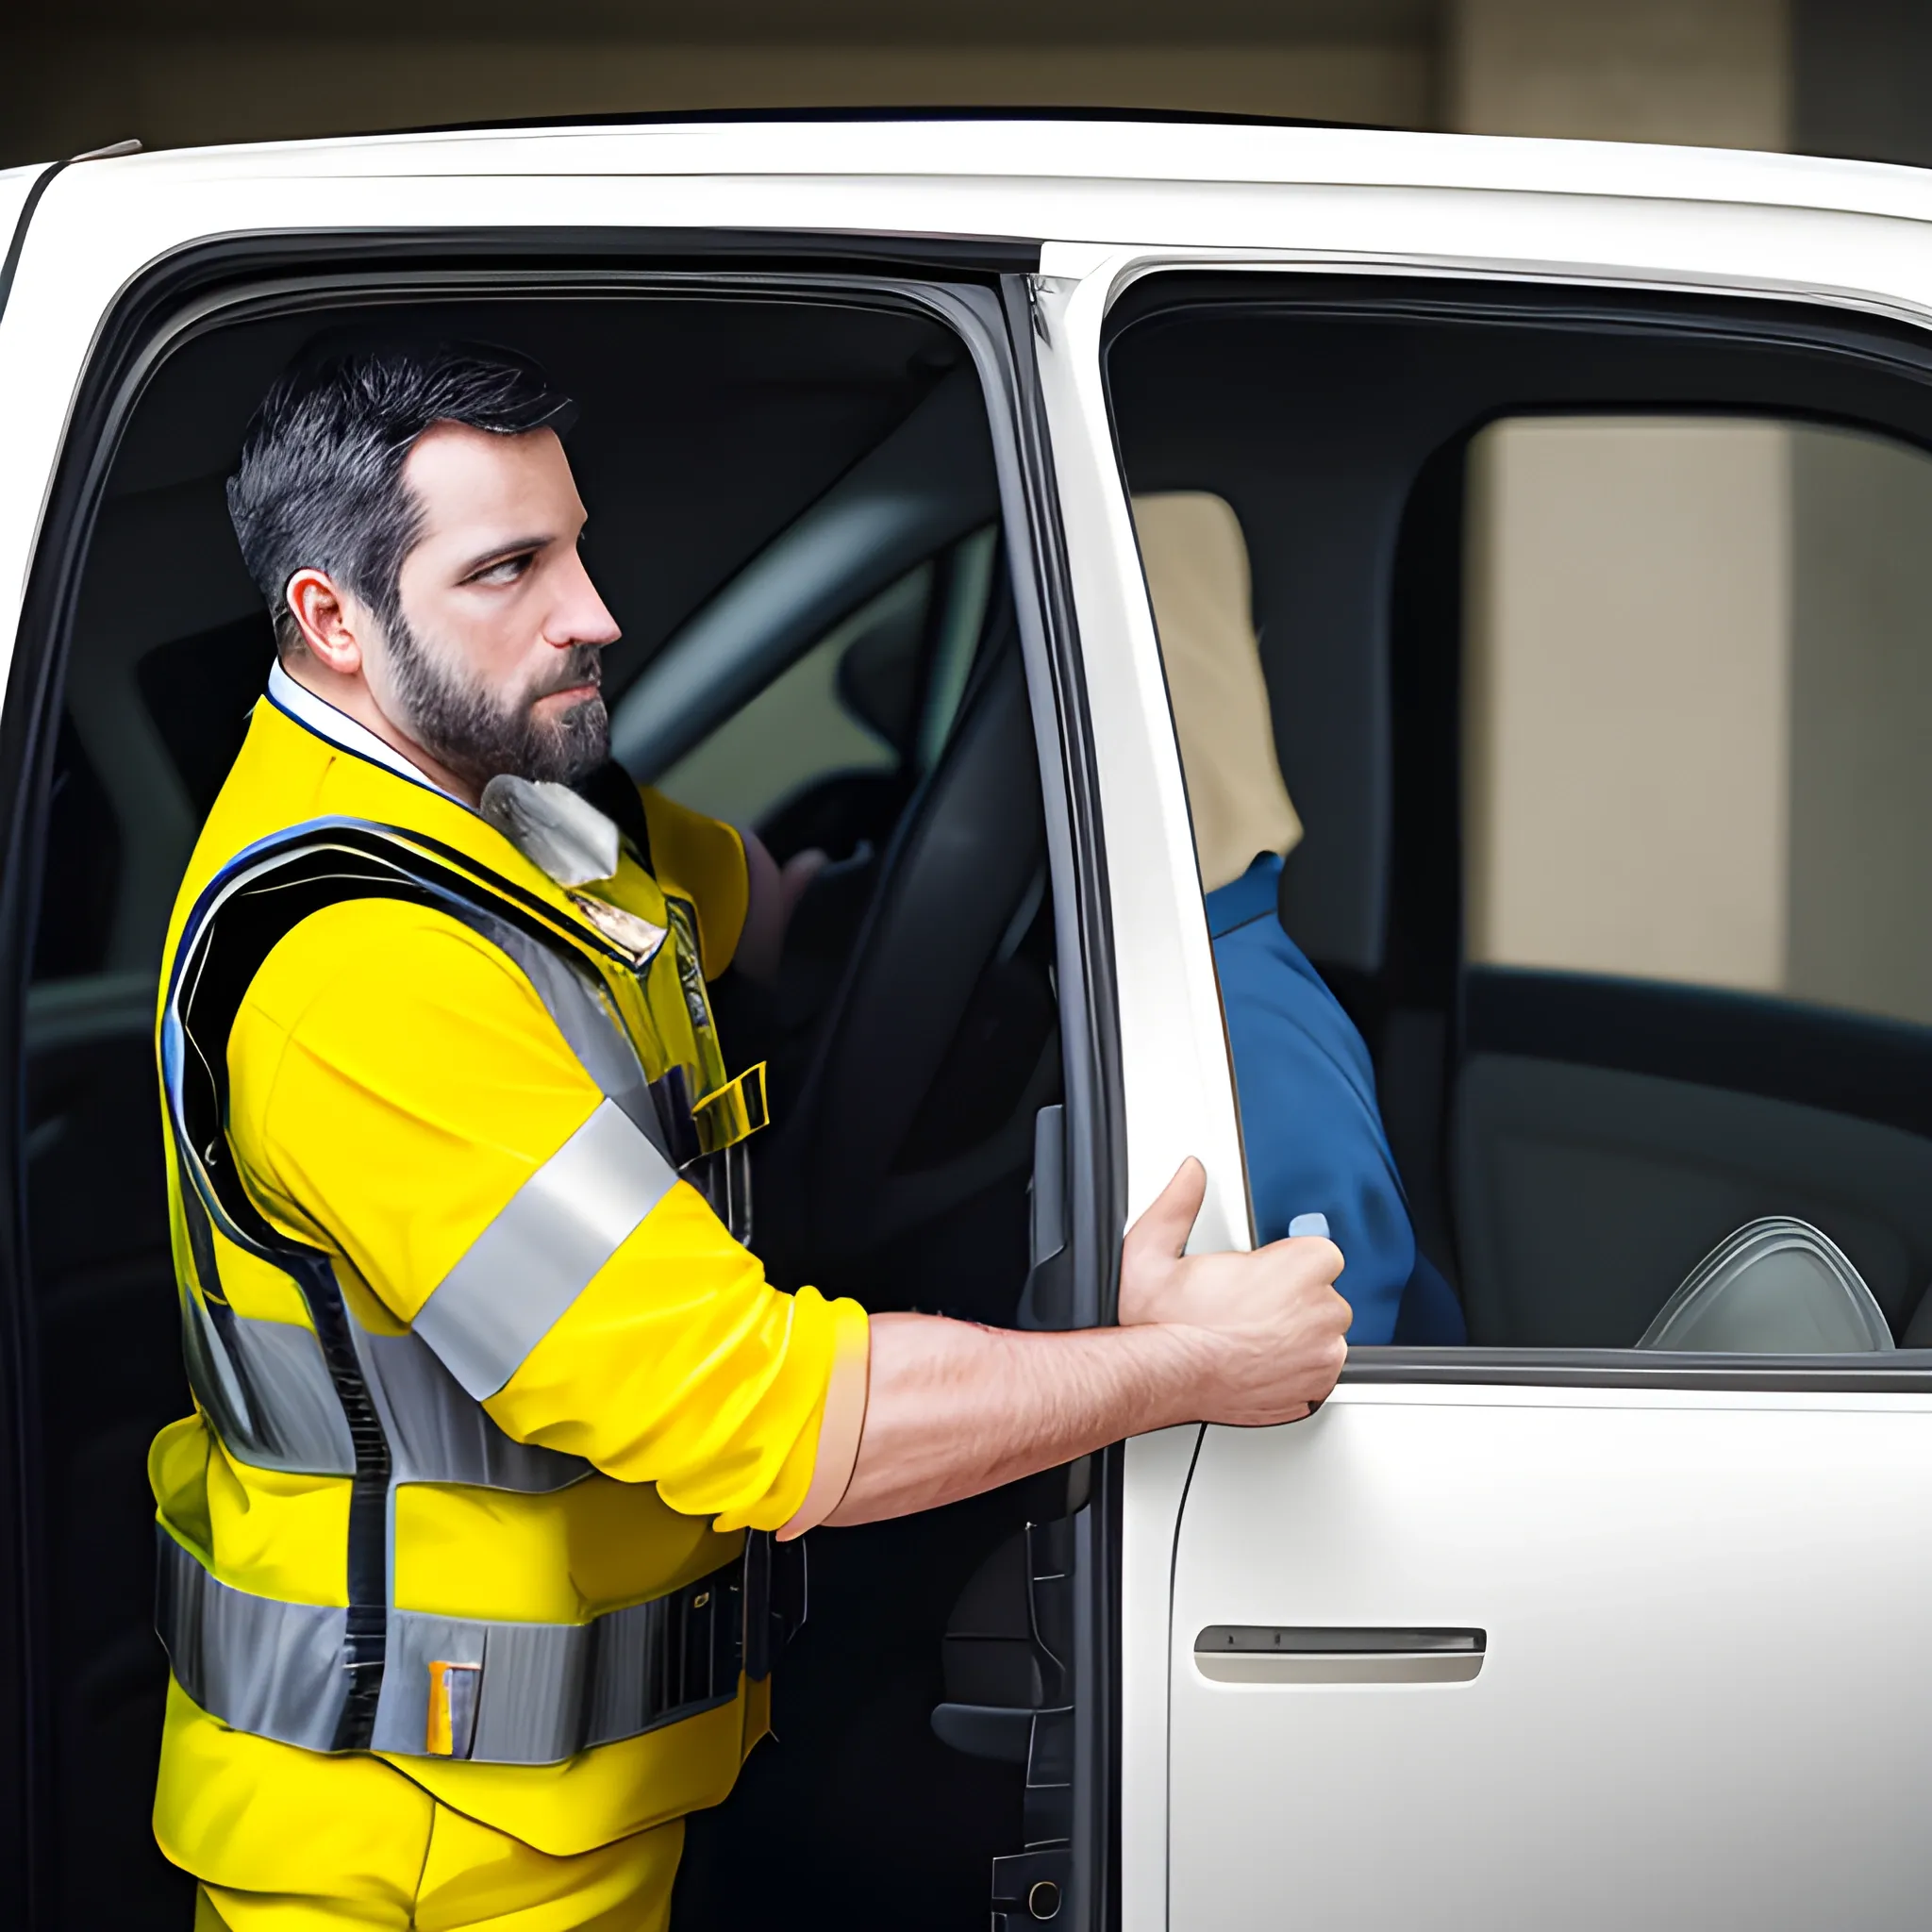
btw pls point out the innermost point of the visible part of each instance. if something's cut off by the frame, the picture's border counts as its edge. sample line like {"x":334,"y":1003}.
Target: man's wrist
{"x":1174,"y":1371}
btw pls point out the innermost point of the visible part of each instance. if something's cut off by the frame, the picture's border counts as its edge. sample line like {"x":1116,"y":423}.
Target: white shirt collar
{"x":341,"y":730}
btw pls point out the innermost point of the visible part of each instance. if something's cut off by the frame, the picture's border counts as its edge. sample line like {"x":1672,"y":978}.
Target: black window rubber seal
{"x":8,"y":268}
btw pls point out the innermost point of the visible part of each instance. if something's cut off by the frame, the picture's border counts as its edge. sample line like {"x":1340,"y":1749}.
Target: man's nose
{"x":581,"y":616}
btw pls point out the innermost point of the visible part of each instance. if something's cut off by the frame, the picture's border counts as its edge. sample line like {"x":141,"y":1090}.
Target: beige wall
{"x":1698,"y":698}
{"x":1715,"y":73}
{"x":1627,"y":696}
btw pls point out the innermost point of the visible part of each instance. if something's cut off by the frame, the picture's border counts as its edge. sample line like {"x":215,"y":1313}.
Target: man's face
{"x":494,"y":664}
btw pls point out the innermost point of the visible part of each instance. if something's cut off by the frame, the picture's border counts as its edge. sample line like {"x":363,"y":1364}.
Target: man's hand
{"x":772,"y":895}
{"x":953,"y":1408}
{"x":1265,"y":1328}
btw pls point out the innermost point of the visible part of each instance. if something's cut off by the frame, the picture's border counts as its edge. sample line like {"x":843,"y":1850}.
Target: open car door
{"x":1554,"y":1628}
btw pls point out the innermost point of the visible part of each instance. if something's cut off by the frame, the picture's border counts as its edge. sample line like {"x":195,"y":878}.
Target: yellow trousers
{"x":440,"y":1872}
{"x":288,"y":1841}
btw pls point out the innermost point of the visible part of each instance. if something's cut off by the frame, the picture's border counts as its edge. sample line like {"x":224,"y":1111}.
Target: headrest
{"x":1196,"y":563}
{"x":1778,"y":1286}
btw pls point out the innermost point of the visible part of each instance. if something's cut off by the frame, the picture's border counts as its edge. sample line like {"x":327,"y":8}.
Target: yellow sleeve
{"x":703,"y":861}
{"x":394,"y":1081}
{"x":713,"y":1388}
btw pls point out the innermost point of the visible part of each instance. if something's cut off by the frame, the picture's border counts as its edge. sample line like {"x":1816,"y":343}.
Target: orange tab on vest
{"x":452,"y":1727}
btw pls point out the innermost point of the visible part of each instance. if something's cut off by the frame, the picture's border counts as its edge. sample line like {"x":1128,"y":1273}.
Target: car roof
{"x":1008,"y":145}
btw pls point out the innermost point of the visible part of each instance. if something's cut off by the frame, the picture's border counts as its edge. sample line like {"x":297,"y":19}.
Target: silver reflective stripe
{"x":267,"y":1390}
{"x":270,"y":1668}
{"x":485,"y":1315}
{"x":546,"y":1691}
{"x":438,"y":1435}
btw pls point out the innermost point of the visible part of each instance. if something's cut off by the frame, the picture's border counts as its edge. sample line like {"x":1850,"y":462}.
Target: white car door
{"x":1523,"y":1634}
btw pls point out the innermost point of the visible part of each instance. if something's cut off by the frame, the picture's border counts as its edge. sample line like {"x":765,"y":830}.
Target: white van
{"x":1585,"y":499}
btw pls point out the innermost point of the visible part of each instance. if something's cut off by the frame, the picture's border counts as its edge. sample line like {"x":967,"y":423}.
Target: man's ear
{"x":327,"y":621}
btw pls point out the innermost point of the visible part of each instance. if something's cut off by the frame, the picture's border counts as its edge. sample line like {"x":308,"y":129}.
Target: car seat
{"x":1775,"y":1287}
{"x":1312,"y":1128}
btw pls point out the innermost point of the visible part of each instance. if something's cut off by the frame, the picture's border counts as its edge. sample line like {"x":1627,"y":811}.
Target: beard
{"x":481,"y":733}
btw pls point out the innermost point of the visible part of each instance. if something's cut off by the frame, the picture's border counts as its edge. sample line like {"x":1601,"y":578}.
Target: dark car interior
{"x":1571,"y":1144}
{"x":772,"y":484}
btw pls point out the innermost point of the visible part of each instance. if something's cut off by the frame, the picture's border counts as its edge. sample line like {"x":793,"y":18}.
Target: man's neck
{"x":354,"y":699}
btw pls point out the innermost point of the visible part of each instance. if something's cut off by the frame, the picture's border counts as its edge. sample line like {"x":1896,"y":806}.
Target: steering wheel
{"x":940,"y":1041}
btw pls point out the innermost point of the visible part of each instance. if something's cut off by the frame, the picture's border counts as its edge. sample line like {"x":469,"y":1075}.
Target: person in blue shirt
{"x":1310,"y":1127}
{"x":1318,"y":1159}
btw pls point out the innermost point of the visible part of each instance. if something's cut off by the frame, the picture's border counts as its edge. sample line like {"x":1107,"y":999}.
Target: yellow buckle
{"x":733,"y":1112}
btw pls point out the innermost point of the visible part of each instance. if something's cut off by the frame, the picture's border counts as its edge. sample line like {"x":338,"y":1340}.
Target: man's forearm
{"x":954,"y":1408}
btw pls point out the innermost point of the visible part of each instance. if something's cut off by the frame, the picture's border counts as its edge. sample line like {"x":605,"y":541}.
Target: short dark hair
{"x":320,"y":484}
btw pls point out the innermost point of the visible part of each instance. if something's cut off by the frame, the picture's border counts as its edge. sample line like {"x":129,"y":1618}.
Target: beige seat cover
{"x":1196,"y":563}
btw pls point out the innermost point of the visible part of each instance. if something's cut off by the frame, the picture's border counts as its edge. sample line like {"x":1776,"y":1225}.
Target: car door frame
{"x":978,"y":288}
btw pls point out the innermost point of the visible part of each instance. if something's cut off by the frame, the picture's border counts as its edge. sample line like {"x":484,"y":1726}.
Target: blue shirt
{"x":1310,"y":1124}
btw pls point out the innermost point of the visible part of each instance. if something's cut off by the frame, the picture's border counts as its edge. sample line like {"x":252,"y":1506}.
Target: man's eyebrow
{"x":501,"y":553}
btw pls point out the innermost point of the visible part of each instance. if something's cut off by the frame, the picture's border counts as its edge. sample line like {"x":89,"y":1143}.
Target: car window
{"x":1699,"y":694}
{"x":879,"y":691}
{"x":1565,"y":706}
{"x":797,"y":729}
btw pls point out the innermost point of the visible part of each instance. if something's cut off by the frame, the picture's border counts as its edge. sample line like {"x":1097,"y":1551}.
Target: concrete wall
{"x":90,"y":71}
{"x":1699,"y":694}
{"x":1834,"y":76}
{"x":1711,"y":71}
{"x":1627,"y":695}
{"x":179,"y":91}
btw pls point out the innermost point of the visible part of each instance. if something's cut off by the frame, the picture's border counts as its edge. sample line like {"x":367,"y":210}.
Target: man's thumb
{"x":1169,"y":1218}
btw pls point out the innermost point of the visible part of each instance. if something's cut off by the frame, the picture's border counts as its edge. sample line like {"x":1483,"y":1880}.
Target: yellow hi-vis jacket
{"x":487,"y":1394}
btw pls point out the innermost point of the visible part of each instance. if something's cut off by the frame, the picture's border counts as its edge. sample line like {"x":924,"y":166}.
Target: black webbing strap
{"x":774,"y":1599}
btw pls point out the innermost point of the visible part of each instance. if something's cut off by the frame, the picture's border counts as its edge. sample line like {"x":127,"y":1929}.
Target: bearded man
{"x":467,"y":1579}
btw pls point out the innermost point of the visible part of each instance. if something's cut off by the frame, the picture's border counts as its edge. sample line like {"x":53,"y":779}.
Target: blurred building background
{"x":1830,"y":76}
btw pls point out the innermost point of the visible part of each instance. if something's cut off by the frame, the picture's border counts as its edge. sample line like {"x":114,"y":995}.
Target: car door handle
{"x":1299,"y":1654}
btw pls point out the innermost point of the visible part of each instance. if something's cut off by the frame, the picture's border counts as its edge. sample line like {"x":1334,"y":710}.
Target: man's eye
{"x":506,"y":571}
